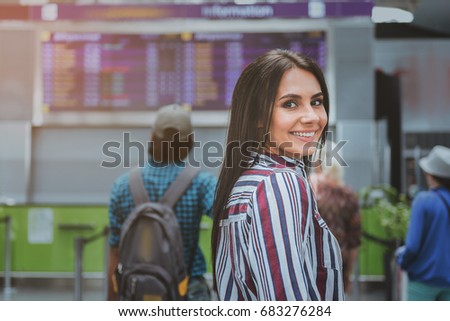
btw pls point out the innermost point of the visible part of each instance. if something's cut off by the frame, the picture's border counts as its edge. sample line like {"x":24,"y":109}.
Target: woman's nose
{"x":309,"y":115}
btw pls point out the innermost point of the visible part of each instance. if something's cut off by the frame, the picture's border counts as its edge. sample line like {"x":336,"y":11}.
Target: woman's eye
{"x":317,"y":102}
{"x":290,"y":104}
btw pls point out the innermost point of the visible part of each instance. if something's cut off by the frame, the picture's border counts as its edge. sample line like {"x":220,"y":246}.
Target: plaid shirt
{"x":195,"y":202}
{"x":274,"y":245}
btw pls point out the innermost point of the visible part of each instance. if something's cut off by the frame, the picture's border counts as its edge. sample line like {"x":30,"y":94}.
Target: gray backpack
{"x":151,"y":265}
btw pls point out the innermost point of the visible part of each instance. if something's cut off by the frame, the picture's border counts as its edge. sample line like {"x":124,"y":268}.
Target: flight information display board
{"x":129,"y":72}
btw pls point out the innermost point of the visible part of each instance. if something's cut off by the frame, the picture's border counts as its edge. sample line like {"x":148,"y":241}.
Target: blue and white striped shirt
{"x":274,"y":245}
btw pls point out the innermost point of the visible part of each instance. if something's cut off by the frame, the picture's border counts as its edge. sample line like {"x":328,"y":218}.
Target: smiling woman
{"x":269,"y":242}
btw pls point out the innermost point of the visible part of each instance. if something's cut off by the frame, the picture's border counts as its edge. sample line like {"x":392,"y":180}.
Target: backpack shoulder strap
{"x":140,"y":196}
{"x":137,"y":188}
{"x":179,"y":186}
{"x":445,"y":202}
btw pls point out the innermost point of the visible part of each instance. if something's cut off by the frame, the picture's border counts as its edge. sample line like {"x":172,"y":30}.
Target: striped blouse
{"x":274,"y":245}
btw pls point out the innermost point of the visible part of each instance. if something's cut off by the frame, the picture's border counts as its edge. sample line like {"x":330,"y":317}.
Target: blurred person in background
{"x":426,"y":254}
{"x":338,"y":205}
{"x":171,"y":142}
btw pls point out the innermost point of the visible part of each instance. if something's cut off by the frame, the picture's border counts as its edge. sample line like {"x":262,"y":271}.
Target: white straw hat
{"x":437,"y":163}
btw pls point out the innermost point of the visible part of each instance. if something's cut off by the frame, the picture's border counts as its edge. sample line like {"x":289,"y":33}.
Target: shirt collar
{"x":152,"y":163}
{"x":272,"y":159}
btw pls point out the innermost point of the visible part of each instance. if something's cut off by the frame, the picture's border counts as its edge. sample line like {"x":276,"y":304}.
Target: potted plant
{"x":392,"y":209}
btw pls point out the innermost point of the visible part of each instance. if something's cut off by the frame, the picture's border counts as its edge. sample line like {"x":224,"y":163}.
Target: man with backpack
{"x":144,"y":239}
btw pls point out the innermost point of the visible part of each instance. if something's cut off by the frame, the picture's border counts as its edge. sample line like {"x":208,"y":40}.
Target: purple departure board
{"x":117,"y":72}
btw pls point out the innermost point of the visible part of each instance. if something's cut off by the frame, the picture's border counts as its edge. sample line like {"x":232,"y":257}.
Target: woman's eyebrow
{"x":295,"y":96}
{"x":319,"y":94}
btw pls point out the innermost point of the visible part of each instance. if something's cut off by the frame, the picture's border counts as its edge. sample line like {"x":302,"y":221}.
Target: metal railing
{"x":389,"y":265}
{"x":80,"y":242}
{"x":7,"y":276}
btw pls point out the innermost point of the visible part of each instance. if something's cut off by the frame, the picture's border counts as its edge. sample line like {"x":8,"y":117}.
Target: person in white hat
{"x":426,"y":254}
{"x":170,"y":145}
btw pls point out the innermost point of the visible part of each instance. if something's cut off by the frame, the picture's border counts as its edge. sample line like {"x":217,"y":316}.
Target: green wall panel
{"x":59,"y":255}
{"x":205,"y":240}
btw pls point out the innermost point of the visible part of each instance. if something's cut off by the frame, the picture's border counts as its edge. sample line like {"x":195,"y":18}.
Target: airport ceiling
{"x":432,"y":15}
{"x":429,"y":15}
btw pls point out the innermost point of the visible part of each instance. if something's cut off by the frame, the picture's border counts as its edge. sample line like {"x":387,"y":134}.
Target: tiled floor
{"x":368,"y":291}
{"x":53,"y":290}
{"x":94,"y":290}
